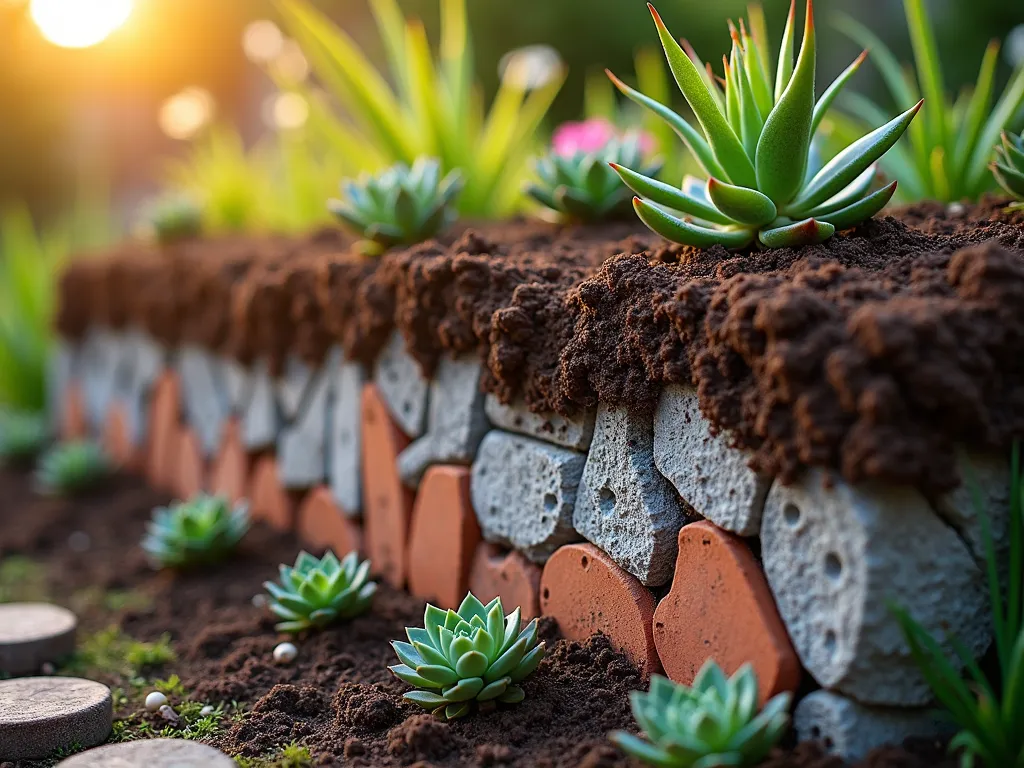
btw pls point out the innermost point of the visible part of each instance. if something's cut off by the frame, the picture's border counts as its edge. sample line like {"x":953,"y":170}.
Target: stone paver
{"x":574,"y":433}
{"x":302,"y":445}
{"x":238,"y":384}
{"x":293,"y":386}
{"x":204,"y":397}
{"x":151,"y":753}
{"x":402,"y":386}
{"x":102,"y":367}
{"x":261,"y":420}
{"x":40,"y":715}
{"x":345,"y":439}
{"x":32,"y":634}
{"x":148,"y":363}
{"x":508,"y":575}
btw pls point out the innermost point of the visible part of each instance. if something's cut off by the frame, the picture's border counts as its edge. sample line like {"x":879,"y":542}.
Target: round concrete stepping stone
{"x":229,"y":476}
{"x":508,"y":575}
{"x":322,"y":524}
{"x":39,"y":715}
{"x":32,"y":634}
{"x":268,"y":499}
{"x":151,"y":753}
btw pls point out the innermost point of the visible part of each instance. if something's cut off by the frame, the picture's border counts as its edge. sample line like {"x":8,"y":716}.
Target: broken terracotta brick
{"x":117,"y":441}
{"x":387,"y":503}
{"x":443,"y":537}
{"x":268,"y":499}
{"x":164,"y":423}
{"x":323,"y":525}
{"x":720,"y":607}
{"x":189,"y":467}
{"x":584,"y":590}
{"x":229,"y":476}
{"x":73,"y":423}
{"x":508,"y":575}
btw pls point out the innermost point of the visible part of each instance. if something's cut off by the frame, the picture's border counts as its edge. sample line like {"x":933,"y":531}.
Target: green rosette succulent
{"x":202,"y":530}
{"x":714,"y":723}
{"x":1008,"y":168}
{"x":755,"y":147}
{"x":475,"y":654}
{"x":582,"y":187}
{"x":174,"y":218}
{"x":400,"y":205}
{"x":316,"y":593}
{"x":72,"y":467}
{"x":23,"y":435}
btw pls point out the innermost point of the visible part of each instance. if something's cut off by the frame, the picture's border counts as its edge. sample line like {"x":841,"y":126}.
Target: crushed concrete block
{"x":837,"y":556}
{"x":261,"y":420}
{"x":293,"y":386}
{"x":624,"y":505}
{"x":149,"y":361}
{"x":62,"y":370}
{"x":302,"y":445}
{"x":238,"y":384}
{"x":456,"y":425}
{"x":524,"y":493}
{"x":103,"y":357}
{"x":344,"y":443}
{"x":402,"y":386}
{"x":203,"y":396}
{"x":712,"y":477}
{"x":575,"y":433}
{"x":851,"y":730}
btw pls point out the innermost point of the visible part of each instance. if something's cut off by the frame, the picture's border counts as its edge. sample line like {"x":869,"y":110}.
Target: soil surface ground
{"x":200,"y":637}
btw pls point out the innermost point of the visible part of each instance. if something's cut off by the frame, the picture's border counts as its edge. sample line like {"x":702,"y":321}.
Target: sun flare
{"x":79,"y":23}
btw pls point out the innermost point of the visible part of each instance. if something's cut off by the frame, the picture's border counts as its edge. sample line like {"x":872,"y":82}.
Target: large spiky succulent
{"x":1008,"y":167}
{"x":72,"y":467}
{"x":756,"y":150}
{"x":23,"y":435}
{"x":714,"y":723}
{"x":400,"y":205}
{"x":316,"y":593}
{"x":475,"y":654}
{"x":202,"y":530}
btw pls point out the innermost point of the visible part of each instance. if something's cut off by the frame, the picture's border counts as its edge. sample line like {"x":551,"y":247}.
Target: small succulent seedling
{"x":756,"y":150}
{"x":1008,"y":168}
{"x":475,"y":654}
{"x":202,"y":530}
{"x":23,"y":435}
{"x":400,"y":205}
{"x":316,"y":593}
{"x":714,"y":723}
{"x":72,"y":467}
{"x":174,"y":218}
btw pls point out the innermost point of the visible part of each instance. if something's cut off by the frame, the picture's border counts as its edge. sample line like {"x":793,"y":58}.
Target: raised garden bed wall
{"x":700,"y":454}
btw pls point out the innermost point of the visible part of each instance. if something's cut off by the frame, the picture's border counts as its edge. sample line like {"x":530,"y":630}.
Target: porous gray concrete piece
{"x":838,"y":556}
{"x":261,"y":420}
{"x":203,"y":395}
{"x":32,"y":634}
{"x":624,"y":505}
{"x":524,"y":492}
{"x":402,"y":386}
{"x":711,"y":477}
{"x":151,"y":753}
{"x":102,"y":363}
{"x":457,"y":421}
{"x":148,"y":361}
{"x":61,"y":371}
{"x":344,"y":441}
{"x":238,"y":384}
{"x":40,"y":715}
{"x":293,"y":386}
{"x":302,"y":445}
{"x":851,"y":730}
{"x":575,"y":433}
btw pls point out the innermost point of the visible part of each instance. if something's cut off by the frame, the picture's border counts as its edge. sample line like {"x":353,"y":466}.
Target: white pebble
{"x":155,"y":700}
{"x":167,"y":713}
{"x":259,"y":601}
{"x":209,"y":709}
{"x":956,"y":209}
{"x":285,"y":653}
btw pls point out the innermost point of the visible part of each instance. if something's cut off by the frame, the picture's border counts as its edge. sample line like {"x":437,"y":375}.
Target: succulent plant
{"x":23,"y":434}
{"x":1008,"y":167}
{"x":316,"y":593}
{"x":400,"y":205}
{"x":475,"y":654}
{"x":581,"y":186}
{"x":72,"y":467}
{"x":202,"y":530}
{"x":756,"y":150}
{"x":714,"y":723}
{"x":173,"y":218}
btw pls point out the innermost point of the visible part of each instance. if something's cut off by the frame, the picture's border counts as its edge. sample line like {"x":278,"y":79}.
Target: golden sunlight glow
{"x":184,"y":114}
{"x":79,"y":23}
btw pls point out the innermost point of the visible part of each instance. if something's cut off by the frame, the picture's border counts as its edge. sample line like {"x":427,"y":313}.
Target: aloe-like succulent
{"x":1008,"y":167}
{"x":581,"y":186}
{"x":714,"y":723}
{"x":400,"y":205}
{"x":475,"y":654}
{"x":316,"y":593}
{"x":23,"y":435}
{"x":173,"y":218}
{"x":72,"y":467}
{"x":756,"y":150}
{"x":203,"y":530}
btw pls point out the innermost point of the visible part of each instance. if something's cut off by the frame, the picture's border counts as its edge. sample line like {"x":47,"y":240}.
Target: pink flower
{"x":587,"y":136}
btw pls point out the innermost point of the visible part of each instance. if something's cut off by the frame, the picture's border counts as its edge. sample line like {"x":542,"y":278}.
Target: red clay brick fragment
{"x":268,"y":499}
{"x":73,"y":424}
{"x":229,"y":476}
{"x":443,"y":537}
{"x":387,"y":502}
{"x":117,"y":439}
{"x":322,"y":524}
{"x":586,"y":592}
{"x":189,"y":468}
{"x":164,"y":420}
{"x":720,"y":607}
{"x":508,"y":575}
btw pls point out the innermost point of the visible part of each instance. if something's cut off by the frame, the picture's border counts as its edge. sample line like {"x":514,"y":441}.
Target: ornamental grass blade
{"x":785,"y":71}
{"x":746,"y":206}
{"x":456,"y":61}
{"x":824,"y":103}
{"x":862,"y":210}
{"x":391,"y":26}
{"x":1008,"y":106}
{"x":782,"y":148}
{"x":680,"y":231}
{"x":809,"y":232}
{"x":897,"y":162}
{"x":667,"y":195}
{"x":977,"y":108}
{"x":929,"y":70}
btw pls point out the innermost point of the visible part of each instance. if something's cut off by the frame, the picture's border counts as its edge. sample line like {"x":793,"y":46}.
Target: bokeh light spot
{"x":79,"y":23}
{"x":183,"y":115}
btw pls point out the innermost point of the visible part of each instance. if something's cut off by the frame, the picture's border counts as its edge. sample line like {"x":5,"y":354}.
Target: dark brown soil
{"x":338,"y":697}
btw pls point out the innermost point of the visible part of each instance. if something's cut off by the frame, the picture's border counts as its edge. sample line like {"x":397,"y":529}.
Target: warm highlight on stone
{"x":268,"y":500}
{"x":387,"y":504}
{"x":443,"y":537}
{"x":189,"y":467}
{"x":164,"y":418}
{"x":229,"y":476}
{"x":508,"y":575}
{"x":73,"y":424}
{"x":323,"y":525}
{"x":117,"y":440}
{"x":720,"y":607}
{"x":586,"y":592}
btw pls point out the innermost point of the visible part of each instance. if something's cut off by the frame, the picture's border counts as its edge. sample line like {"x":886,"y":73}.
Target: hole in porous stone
{"x":833,"y":566}
{"x":493,"y":510}
{"x":550,"y":502}
{"x":829,"y":744}
{"x":585,"y":562}
{"x":406,"y":407}
{"x":606,"y":500}
{"x":815,"y":732}
{"x":830,"y":642}
{"x":791,"y":513}
{"x":546,"y":594}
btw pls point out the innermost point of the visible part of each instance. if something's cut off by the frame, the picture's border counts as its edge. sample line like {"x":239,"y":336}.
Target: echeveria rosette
{"x":400,"y":205}
{"x":23,"y":434}
{"x":316,"y":593}
{"x":72,"y":467}
{"x":1008,"y":168}
{"x":200,"y":531}
{"x":756,"y":151}
{"x":714,"y":723}
{"x":475,"y":654}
